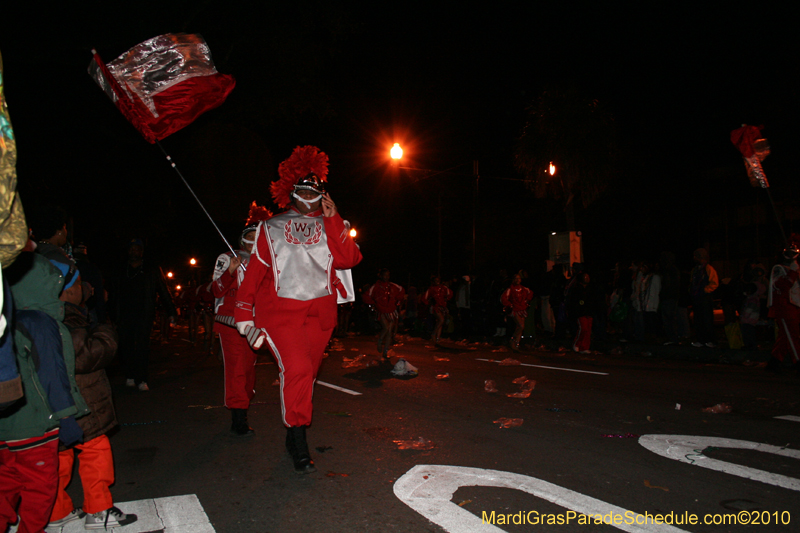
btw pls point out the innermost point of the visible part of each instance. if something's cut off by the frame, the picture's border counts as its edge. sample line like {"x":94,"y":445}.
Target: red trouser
{"x":583,"y":339}
{"x":28,"y":478}
{"x":240,"y":368}
{"x":787,"y":345}
{"x":299,"y":355}
{"x":96,"y":469}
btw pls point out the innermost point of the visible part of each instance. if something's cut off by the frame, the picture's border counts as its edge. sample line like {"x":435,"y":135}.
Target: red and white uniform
{"x":783,"y":300}
{"x":517,"y":297}
{"x":439,"y":295}
{"x":238,"y":357}
{"x":387,"y":297}
{"x":290,"y":291}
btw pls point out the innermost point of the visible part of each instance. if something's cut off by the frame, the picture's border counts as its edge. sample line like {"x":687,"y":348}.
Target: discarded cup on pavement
{"x":506,"y":423}
{"x":490,"y":386}
{"x":719,"y":408}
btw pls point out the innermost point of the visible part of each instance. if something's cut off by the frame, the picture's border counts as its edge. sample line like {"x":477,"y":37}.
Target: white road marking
{"x":689,"y":449}
{"x":429,"y":489}
{"x":550,"y":367}
{"x":336,"y":387}
{"x":789,"y":417}
{"x":175,"y":514}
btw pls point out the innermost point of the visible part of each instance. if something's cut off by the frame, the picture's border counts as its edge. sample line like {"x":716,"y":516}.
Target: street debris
{"x":421,"y":444}
{"x":354,"y":362}
{"x":404,"y":369}
{"x":506,"y":423}
{"x":391,"y":353}
{"x":509,"y":362}
{"x":489,"y":385}
{"x":520,"y":394}
{"x":500,"y":349}
{"x":520,"y":380}
{"x":331,"y":473}
{"x":649,"y":486}
{"x":677,"y":407}
{"x":441,"y":377}
{"x":622,"y":435}
{"x":441,"y":359}
{"x":465,"y":502}
{"x":719,"y":408}
{"x":323,"y":449}
{"x":560,"y":410}
{"x":562,"y":349}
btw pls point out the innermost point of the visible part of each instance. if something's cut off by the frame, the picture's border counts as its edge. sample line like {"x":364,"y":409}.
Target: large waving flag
{"x":163,"y":84}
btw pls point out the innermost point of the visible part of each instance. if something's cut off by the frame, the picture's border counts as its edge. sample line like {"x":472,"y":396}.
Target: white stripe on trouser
{"x":224,"y":366}
{"x":280,"y":364}
{"x":789,"y":338}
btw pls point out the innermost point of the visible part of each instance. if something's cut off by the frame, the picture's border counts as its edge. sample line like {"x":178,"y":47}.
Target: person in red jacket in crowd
{"x":437,"y":296}
{"x":387,"y":297}
{"x":784,"y":306}
{"x":517,"y":298}
{"x":239,"y":359}
{"x":289,"y":293}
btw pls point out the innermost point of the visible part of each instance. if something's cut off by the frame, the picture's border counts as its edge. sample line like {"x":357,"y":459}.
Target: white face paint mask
{"x":307,"y":203}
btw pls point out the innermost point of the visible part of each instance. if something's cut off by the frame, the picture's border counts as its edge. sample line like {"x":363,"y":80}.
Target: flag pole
{"x":174,"y":166}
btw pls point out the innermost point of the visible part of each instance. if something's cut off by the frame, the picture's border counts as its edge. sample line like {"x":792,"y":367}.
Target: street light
{"x":353,"y":233}
{"x":396,"y":152}
{"x":170,"y":275}
{"x":552,"y":169}
{"x":193,"y":261}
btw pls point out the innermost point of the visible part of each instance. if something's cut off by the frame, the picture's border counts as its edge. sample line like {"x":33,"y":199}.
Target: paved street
{"x":593,"y":433}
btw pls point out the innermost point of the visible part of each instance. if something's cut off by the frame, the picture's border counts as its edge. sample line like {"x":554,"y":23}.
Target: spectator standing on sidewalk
{"x":704,"y":282}
{"x":784,"y":306}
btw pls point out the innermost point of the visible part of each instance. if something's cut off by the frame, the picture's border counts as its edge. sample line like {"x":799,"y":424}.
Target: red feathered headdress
{"x":258,"y":213}
{"x":303,"y":161}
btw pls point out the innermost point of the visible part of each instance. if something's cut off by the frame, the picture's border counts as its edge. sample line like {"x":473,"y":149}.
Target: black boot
{"x":297,"y":447}
{"x":240,"y":427}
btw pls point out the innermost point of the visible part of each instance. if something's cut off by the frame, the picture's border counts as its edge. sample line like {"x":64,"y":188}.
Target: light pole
{"x":396,"y":154}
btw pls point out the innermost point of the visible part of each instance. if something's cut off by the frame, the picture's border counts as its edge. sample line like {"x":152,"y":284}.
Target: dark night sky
{"x":449,"y":83}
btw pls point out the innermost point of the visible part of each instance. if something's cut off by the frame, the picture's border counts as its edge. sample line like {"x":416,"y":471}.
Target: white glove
{"x":259,"y":341}
{"x":242,"y":326}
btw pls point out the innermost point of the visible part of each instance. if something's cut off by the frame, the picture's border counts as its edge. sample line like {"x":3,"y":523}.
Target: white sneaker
{"x":76,"y":514}
{"x":130,"y":383}
{"x":143,"y":386}
{"x":112,"y":517}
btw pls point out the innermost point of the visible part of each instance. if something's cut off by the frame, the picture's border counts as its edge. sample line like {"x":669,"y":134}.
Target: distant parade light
{"x":192,"y":261}
{"x":552,"y":169}
{"x":353,"y":233}
{"x":170,"y":275}
{"x":396,"y":152}
{"x":177,"y":287}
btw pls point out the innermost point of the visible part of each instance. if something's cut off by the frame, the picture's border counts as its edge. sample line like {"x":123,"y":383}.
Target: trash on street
{"x":506,"y":423}
{"x":509,"y":362}
{"x":490,"y":386}
{"x":442,"y":376}
{"x":421,"y":444}
{"x":719,"y":408}
{"x":404,"y":368}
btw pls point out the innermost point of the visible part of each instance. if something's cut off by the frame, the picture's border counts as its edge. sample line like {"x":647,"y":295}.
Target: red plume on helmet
{"x":258,"y":213}
{"x":304,"y":160}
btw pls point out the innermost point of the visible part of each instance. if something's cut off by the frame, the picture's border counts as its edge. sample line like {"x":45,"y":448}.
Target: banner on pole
{"x":163,"y":84}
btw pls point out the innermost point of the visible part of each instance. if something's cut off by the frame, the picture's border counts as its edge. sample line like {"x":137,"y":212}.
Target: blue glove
{"x":70,"y":433}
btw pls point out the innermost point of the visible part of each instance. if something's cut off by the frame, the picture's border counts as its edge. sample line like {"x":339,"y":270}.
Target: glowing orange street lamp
{"x":170,"y":275}
{"x":396,"y":152}
{"x":552,"y":169}
{"x":193,"y":261}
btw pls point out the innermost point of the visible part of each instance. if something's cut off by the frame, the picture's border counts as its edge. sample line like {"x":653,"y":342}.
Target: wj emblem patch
{"x":302,"y":232}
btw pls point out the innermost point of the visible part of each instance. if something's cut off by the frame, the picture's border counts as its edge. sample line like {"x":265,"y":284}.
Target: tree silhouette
{"x":576,"y":134}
